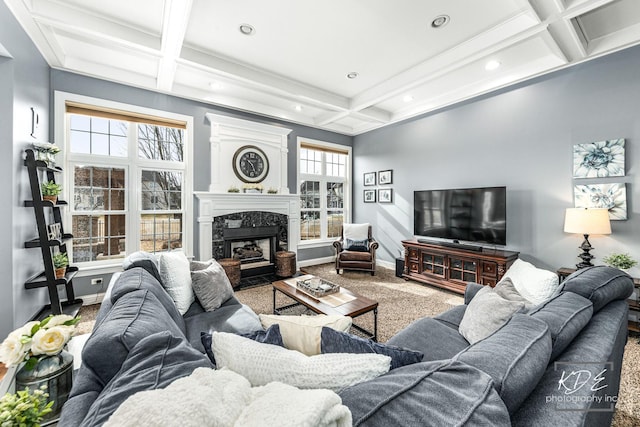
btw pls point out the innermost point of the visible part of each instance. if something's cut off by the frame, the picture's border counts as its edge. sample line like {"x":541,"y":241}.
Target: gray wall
{"x":522,"y":138}
{"x":24,"y":83}
{"x":69,"y":82}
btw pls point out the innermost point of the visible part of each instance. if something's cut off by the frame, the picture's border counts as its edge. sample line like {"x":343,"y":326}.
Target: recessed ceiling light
{"x":215,"y":85}
{"x":247,"y":29}
{"x":298,"y":107}
{"x":352,"y":75}
{"x":407,"y":98}
{"x":492,"y":65}
{"x":440,"y":21}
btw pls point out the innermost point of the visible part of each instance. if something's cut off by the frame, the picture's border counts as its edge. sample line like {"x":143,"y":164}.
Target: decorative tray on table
{"x":317,"y":287}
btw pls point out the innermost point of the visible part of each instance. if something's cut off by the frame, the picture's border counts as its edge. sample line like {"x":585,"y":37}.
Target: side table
{"x":633,"y":301}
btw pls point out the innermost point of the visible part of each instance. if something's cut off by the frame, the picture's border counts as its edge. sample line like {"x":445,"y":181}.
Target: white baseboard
{"x":316,"y":261}
{"x":386,"y":264}
{"x":92,"y":298}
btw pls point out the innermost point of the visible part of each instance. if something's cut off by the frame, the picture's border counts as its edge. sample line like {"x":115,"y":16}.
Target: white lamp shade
{"x":587,"y":221}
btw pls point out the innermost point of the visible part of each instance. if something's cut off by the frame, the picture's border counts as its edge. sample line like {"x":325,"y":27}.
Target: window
{"x":324,"y":176}
{"x":129,"y":180}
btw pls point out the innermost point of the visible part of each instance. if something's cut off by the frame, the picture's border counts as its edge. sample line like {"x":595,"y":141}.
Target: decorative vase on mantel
{"x":54,"y":372}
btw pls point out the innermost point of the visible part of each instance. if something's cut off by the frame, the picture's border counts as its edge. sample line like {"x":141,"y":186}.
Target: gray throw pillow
{"x":486,"y":313}
{"x":211,"y":286}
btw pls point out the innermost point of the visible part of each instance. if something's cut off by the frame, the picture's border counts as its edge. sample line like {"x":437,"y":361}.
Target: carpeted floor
{"x":400,"y":303}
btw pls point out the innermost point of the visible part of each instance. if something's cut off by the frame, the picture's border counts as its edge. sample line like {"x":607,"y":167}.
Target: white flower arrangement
{"x":38,"y":339}
{"x":252,"y":187}
{"x":46,"y":147}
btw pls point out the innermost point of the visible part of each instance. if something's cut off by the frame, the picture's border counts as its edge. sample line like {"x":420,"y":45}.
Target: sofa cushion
{"x":599,"y":284}
{"x":566,"y":315}
{"x":232,"y":318}
{"x":133,"y":317}
{"x":269,"y":336}
{"x":145,"y":260}
{"x":139,"y":278}
{"x":264,"y":363}
{"x":452,"y":317}
{"x":211,"y":285}
{"x":333,"y":341}
{"x":154,"y":362}
{"x":486,"y":313}
{"x":176,"y":278}
{"x":302,"y":333}
{"x":430,"y":337}
{"x":535,"y":284}
{"x":438,"y":393}
{"x":355,"y":256}
{"x":515,"y":356}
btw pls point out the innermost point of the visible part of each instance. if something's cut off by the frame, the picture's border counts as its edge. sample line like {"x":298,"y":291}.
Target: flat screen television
{"x":467,"y":214}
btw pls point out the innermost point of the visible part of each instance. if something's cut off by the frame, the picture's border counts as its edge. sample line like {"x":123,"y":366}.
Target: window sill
{"x":93,"y":270}
{"x":306,"y":244}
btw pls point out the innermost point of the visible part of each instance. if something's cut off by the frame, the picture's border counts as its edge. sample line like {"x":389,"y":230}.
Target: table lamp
{"x":586,"y":221}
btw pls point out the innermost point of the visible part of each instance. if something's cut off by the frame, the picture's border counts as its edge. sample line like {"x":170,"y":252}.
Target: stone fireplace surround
{"x":254,"y":210}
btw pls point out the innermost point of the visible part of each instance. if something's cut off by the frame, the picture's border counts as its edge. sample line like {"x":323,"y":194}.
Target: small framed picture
{"x":370,"y":178}
{"x":369,"y":196}
{"x":385,"y":177}
{"x":385,"y":195}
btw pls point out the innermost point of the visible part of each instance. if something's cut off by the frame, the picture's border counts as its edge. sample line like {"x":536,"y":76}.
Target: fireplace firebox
{"x":254,"y":247}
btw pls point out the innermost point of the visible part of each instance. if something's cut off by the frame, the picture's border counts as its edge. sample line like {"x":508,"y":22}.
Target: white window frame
{"x":323,"y":178}
{"x":133,"y":173}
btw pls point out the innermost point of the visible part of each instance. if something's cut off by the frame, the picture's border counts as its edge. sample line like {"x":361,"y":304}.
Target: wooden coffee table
{"x":357,"y":306}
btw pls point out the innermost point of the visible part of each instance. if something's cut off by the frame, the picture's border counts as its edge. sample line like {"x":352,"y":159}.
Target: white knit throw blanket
{"x":223,"y":398}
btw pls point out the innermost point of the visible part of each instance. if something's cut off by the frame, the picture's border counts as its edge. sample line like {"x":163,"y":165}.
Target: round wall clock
{"x":250,"y":164}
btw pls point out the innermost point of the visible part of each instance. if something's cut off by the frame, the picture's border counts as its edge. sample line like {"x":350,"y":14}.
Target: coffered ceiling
{"x":295,"y":60}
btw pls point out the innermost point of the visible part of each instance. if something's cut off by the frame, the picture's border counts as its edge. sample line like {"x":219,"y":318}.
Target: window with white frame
{"x":324,"y":176}
{"x":128,"y":179}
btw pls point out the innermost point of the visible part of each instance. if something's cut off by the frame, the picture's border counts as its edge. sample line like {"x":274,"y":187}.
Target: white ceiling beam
{"x":520,"y":27}
{"x":72,"y":20}
{"x":582,"y":8}
{"x":327,"y":118}
{"x":568,"y":39}
{"x":23,"y":15}
{"x":261,"y":79}
{"x":108,"y":72}
{"x":174,"y":26}
{"x":372,"y":113}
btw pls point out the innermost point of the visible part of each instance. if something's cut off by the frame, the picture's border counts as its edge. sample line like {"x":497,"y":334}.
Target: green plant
{"x":60,"y":260}
{"x":50,"y":188}
{"x":622,"y":261}
{"x":24,"y":408}
{"x":233,"y":189}
{"x":272,"y":190}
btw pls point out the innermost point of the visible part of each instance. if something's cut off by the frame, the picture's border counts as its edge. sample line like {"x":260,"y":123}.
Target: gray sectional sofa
{"x":558,"y":364}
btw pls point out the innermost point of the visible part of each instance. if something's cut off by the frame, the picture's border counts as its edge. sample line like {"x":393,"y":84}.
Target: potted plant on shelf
{"x":621,"y":261}
{"x":50,"y":191}
{"x":60,"y":262}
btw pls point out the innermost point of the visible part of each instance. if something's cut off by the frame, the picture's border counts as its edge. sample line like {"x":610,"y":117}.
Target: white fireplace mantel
{"x":211,"y":205}
{"x":228,"y":134}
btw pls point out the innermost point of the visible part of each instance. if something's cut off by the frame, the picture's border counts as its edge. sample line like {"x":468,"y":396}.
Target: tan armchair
{"x":356,"y":259}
